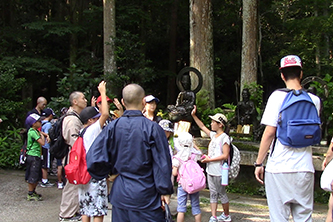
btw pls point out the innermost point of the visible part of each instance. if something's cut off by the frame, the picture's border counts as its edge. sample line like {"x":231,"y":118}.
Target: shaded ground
{"x":14,"y":207}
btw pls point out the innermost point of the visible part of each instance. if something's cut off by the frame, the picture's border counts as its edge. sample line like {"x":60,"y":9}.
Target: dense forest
{"x":52,"y":47}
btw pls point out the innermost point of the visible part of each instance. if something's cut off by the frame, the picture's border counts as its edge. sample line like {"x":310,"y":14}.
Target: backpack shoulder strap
{"x":284,"y":90}
{"x":70,"y":114}
{"x":83,"y":131}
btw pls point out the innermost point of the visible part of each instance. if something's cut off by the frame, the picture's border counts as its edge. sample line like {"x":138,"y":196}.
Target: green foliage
{"x":230,"y":112}
{"x":10,"y":146}
{"x":321,"y":196}
{"x":327,"y":106}
{"x":53,"y":28}
{"x":203,"y":111}
{"x":134,"y":68}
{"x":12,"y":106}
{"x":256,"y":91}
{"x":246,"y":147}
{"x":245,"y":188}
{"x":74,"y":80}
{"x":202,"y":101}
{"x":164,"y":115}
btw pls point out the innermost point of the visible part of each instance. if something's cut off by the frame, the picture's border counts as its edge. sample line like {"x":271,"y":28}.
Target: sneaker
{"x":34,"y":197}
{"x":74,"y":218}
{"x":47,"y":184}
{"x":223,"y":217}
{"x":60,"y":185}
{"x":40,"y":195}
{"x":213,"y":219}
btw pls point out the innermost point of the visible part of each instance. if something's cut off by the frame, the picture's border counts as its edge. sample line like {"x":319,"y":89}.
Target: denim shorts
{"x":33,"y":173}
{"x":182,"y":200}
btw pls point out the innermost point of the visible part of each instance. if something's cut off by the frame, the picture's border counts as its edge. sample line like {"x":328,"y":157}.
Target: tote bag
{"x":327,"y":177}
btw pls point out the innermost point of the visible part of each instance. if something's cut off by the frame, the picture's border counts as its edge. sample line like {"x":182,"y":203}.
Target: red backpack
{"x":76,"y":170}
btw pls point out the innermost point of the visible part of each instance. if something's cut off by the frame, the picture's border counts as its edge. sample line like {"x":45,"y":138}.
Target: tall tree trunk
{"x":171,"y":96}
{"x":109,"y":38}
{"x":249,"y":43}
{"x":201,"y":45}
{"x":74,"y":18}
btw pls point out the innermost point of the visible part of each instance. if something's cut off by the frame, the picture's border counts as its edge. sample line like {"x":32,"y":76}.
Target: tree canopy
{"x":47,"y":44}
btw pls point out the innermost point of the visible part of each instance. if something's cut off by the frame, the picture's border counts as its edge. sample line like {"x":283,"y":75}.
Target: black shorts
{"x":33,"y":173}
{"x":46,"y":158}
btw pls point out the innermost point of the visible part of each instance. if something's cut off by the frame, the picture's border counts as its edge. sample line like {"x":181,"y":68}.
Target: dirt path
{"x":15,"y":208}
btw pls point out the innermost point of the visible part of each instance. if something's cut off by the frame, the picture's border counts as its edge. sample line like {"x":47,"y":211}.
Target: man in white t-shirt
{"x":289,"y":174}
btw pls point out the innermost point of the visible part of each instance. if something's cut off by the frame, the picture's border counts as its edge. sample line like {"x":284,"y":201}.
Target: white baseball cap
{"x":220,"y":118}
{"x":185,"y":139}
{"x":290,"y":60}
{"x":150,"y":98}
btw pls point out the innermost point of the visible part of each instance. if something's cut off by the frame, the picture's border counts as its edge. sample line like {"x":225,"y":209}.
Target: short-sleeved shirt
{"x":33,"y":147}
{"x":46,"y":126}
{"x":90,"y":135}
{"x":215,"y":149}
{"x":284,"y":159}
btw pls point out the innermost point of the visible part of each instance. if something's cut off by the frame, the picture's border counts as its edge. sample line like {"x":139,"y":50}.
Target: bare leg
{"x":197,"y":218}
{"x":85,"y":218}
{"x":226,"y":208}
{"x":180,"y":217}
{"x":213,"y":207}
{"x":32,"y":186}
{"x":98,"y":219}
{"x":330,"y":208}
{"x":59,"y":172}
{"x":44,"y":173}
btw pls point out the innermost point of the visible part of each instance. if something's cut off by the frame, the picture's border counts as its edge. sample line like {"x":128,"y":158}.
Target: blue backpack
{"x":299,"y":122}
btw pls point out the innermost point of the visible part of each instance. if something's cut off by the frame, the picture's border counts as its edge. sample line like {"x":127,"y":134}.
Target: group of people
{"x":77,"y":116}
{"x":137,"y":153}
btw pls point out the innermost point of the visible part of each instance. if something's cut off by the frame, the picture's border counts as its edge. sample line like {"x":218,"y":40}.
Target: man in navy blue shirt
{"x":137,"y":150}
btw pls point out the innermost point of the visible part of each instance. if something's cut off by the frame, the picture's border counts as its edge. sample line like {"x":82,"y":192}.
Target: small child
{"x":218,"y":152}
{"x":186,"y":152}
{"x":35,"y":140}
{"x":167,"y":126}
{"x":46,"y":126}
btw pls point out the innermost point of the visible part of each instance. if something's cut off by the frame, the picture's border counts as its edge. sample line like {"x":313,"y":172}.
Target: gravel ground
{"x":15,"y":207}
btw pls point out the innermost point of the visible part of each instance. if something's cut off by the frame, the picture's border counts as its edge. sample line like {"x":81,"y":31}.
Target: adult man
{"x":137,"y":150}
{"x":41,"y":104}
{"x":70,"y":129}
{"x":289,"y":176}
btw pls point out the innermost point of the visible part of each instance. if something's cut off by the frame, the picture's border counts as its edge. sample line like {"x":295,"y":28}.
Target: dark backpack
{"x":23,"y":154}
{"x":24,"y":149}
{"x":76,"y":170}
{"x":58,"y":147}
{"x":299,"y":121}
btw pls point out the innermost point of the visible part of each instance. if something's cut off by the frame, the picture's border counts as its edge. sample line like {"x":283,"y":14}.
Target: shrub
{"x":10,"y":146}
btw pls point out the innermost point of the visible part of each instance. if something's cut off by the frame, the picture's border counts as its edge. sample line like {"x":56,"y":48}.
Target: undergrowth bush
{"x":10,"y":146}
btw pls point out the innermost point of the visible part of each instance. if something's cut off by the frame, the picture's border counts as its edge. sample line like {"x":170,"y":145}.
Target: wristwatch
{"x":257,"y":164}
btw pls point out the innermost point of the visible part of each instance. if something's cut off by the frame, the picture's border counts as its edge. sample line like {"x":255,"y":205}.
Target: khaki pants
{"x":69,"y":201}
